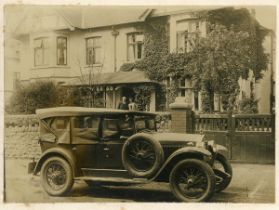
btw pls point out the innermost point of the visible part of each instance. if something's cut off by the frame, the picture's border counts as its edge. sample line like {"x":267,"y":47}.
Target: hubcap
{"x":141,"y":155}
{"x":56,"y":176}
{"x":191,"y":182}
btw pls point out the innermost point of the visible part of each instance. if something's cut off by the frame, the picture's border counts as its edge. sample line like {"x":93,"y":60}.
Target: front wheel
{"x":56,"y":176}
{"x":192,"y":181}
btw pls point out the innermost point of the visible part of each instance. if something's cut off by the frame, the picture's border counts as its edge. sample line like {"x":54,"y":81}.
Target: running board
{"x":113,"y":179}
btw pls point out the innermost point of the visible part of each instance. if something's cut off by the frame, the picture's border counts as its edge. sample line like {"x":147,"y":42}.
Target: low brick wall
{"x":21,"y":137}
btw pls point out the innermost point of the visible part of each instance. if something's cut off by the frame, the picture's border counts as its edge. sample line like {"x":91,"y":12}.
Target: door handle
{"x":106,"y":149}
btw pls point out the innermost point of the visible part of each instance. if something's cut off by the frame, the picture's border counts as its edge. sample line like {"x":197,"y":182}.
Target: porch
{"x":111,"y":87}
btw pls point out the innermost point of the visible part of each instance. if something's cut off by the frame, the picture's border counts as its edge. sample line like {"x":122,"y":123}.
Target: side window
{"x":59,"y":123}
{"x":86,"y":127}
{"x":110,"y":128}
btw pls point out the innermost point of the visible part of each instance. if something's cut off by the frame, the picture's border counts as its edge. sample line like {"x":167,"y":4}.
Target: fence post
{"x":181,"y":117}
{"x":231,"y":133}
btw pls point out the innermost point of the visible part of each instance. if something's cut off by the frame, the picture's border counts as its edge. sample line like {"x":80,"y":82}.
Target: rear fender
{"x":180,"y":154}
{"x":60,"y":152}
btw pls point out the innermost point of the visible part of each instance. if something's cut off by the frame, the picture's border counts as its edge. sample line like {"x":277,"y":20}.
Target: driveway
{"x":251,"y":184}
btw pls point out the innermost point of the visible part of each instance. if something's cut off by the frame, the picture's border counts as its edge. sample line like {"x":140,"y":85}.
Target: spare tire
{"x":142,"y":155}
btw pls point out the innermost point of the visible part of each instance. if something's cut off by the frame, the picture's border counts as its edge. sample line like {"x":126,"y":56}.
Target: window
{"x":135,"y":46}
{"x":59,"y":123}
{"x":186,"y":36}
{"x":185,"y":41}
{"x":142,"y":123}
{"x":182,"y":93}
{"x":86,"y":122}
{"x":61,"y":51}
{"x":110,"y":128}
{"x":196,"y":100}
{"x":86,"y":127}
{"x":93,"y":50}
{"x":182,"y":83}
{"x":41,"y":51}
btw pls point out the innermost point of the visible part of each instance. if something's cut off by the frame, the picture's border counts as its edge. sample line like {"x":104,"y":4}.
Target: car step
{"x":113,"y":179}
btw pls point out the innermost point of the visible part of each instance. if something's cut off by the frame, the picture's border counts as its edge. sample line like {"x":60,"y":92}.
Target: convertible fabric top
{"x":76,"y":111}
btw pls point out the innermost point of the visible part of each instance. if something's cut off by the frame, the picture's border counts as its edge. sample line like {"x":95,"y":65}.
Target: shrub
{"x":27,"y":98}
{"x":248,"y":106}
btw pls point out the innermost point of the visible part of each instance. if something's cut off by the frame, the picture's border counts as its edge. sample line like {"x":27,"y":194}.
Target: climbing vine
{"x":143,"y":96}
{"x":233,"y":45}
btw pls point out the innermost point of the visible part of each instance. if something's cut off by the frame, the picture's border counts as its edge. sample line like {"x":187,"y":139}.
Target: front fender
{"x":183,"y":153}
{"x":58,"y":151}
{"x":222,"y":150}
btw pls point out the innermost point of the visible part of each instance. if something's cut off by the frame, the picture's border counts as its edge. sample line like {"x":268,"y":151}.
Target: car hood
{"x":171,"y":138}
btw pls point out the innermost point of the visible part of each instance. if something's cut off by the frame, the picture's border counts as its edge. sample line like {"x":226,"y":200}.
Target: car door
{"x":85,"y":136}
{"x":110,"y":145}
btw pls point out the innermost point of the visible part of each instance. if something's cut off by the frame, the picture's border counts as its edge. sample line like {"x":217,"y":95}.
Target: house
{"x":66,"y":43}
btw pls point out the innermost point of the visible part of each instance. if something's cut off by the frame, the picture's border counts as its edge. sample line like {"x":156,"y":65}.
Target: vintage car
{"x":108,"y":147}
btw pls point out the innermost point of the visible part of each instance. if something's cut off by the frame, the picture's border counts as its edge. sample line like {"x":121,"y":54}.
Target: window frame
{"x":135,"y":46}
{"x":57,"y":60}
{"x":75,"y":130}
{"x":43,"y":50}
{"x":94,"y":47}
{"x":53,"y":123}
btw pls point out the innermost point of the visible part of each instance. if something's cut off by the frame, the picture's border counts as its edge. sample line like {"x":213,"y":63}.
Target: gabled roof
{"x":85,"y":17}
{"x":93,"y":17}
{"x":120,"y":77}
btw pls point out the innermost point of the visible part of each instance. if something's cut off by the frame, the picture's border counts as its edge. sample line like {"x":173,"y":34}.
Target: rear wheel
{"x":56,"y":176}
{"x":192,"y":181}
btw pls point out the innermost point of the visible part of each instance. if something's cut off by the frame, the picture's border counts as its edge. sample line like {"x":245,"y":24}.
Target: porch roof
{"x":114,"y":78}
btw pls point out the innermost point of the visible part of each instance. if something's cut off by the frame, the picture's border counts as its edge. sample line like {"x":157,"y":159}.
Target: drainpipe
{"x":114,"y":33}
{"x":272,"y":102}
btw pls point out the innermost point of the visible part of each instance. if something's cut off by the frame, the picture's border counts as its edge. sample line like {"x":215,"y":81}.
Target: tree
{"x":90,"y":79}
{"x":217,"y":62}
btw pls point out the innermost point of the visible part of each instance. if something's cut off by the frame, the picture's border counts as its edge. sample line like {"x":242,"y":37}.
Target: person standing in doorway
{"x":132,"y":105}
{"x":123,"y":104}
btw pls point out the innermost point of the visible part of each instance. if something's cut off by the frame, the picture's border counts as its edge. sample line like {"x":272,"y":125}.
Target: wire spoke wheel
{"x":141,"y":155}
{"x":192,"y":181}
{"x":56,"y":176}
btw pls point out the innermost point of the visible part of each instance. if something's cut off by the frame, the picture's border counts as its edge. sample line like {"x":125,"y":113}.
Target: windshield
{"x":145,"y":123}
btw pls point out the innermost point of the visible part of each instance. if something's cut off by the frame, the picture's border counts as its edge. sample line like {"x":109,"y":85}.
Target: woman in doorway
{"x":123,"y":104}
{"x":132,"y":105}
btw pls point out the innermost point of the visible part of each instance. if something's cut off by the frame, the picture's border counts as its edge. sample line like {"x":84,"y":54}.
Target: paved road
{"x":250,"y":184}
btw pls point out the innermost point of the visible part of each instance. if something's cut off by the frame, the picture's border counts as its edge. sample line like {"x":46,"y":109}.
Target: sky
{"x":266,"y":15}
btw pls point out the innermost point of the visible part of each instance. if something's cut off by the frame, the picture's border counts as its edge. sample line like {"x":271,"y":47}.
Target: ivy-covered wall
{"x":232,"y":47}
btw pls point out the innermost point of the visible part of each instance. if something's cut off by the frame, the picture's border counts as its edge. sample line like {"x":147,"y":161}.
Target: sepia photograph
{"x":139,"y":103}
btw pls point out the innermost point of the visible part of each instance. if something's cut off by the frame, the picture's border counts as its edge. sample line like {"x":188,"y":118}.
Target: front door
{"x":110,"y":146}
{"x":85,"y":137}
{"x":114,"y":132}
